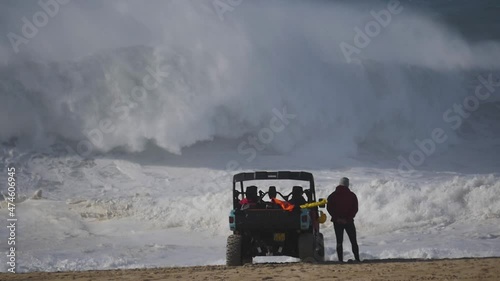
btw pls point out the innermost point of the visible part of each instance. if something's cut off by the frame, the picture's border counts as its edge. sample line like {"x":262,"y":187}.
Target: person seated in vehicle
{"x":251,"y":198}
{"x":297,"y":198}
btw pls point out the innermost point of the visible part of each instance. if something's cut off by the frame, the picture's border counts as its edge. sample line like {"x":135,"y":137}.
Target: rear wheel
{"x":234,"y":250}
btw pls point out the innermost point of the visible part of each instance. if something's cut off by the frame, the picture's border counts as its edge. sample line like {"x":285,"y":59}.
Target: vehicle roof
{"x":276,"y":175}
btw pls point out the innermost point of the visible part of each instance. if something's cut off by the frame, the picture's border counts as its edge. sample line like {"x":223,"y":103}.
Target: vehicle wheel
{"x":306,"y":247}
{"x":233,"y":250}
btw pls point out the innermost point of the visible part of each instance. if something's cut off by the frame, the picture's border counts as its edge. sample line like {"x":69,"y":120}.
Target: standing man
{"x":343,"y":207}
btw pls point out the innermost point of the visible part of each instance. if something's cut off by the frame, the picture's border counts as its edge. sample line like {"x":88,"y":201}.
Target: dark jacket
{"x":342,"y":204}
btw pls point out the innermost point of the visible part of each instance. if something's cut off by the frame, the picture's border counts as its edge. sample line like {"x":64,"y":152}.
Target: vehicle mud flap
{"x":311,"y":248}
{"x":320,"y":248}
{"x":234,"y":250}
{"x":306,"y":247}
{"x":247,"y":260}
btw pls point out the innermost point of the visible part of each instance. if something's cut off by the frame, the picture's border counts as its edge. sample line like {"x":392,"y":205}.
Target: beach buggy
{"x":266,"y":222}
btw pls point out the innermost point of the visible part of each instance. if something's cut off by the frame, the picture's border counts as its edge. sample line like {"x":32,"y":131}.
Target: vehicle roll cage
{"x":278,"y":175}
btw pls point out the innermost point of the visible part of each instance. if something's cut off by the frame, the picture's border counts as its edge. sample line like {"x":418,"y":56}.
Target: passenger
{"x":251,"y":198}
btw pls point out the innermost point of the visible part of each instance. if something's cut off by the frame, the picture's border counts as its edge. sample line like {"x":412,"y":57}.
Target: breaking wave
{"x":229,"y":78}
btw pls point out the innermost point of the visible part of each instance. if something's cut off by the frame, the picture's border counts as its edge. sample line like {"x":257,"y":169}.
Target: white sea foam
{"x":155,"y":190}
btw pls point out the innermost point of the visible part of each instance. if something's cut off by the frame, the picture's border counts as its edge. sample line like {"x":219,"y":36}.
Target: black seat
{"x":251,"y":193}
{"x":272,"y":192}
{"x":297,"y":198}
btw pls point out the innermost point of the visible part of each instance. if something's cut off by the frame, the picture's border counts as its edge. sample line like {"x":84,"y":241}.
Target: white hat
{"x":344,"y":181}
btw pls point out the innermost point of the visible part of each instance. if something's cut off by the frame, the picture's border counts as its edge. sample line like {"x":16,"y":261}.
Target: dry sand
{"x":453,"y":269}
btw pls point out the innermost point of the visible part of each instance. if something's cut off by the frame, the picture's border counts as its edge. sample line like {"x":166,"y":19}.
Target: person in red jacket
{"x":343,"y":207}
{"x":251,"y":198}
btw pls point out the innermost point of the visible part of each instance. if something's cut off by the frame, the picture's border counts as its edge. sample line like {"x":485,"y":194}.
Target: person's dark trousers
{"x":351,"y":232}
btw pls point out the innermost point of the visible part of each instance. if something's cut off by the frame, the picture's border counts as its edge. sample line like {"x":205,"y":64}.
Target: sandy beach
{"x":449,"y":269}
{"x":138,"y":137}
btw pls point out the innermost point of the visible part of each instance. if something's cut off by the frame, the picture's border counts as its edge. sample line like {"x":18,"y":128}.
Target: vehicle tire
{"x":233,"y":250}
{"x":306,"y":247}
